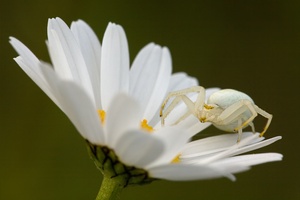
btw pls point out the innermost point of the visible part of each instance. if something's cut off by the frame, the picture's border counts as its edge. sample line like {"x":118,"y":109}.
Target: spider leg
{"x":192,"y":109}
{"x":240,"y":131}
{"x":190,"y":105}
{"x":251,"y":124}
{"x":181,"y":95}
{"x":266,"y":115}
{"x":234,"y":111}
{"x":256,"y":110}
{"x":169,"y":109}
{"x":198,"y":89}
{"x":248,"y":105}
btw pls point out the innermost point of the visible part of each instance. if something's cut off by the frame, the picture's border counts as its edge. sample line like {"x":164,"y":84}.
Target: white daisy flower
{"x":115,"y":108}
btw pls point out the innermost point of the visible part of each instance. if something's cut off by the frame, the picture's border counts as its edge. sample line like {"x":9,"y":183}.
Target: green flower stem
{"x":110,"y":189}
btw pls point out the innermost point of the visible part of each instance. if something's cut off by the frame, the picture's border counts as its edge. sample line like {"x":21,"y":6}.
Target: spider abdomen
{"x":224,"y":99}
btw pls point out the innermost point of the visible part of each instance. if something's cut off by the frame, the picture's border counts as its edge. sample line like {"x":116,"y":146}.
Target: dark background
{"x":252,"y":46}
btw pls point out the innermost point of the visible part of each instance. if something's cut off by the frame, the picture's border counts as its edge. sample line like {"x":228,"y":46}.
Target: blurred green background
{"x":252,"y":46}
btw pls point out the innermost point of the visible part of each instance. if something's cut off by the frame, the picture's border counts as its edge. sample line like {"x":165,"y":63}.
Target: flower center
{"x":102,"y":115}
{"x":145,"y":126}
{"x":144,"y":123}
{"x":176,"y":159}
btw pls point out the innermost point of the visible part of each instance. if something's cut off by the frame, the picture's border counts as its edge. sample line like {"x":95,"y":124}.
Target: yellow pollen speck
{"x":145,"y":126}
{"x":176,"y":159}
{"x":202,"y":119}
{"x":102,"y":114}
{"x":208,"y":107}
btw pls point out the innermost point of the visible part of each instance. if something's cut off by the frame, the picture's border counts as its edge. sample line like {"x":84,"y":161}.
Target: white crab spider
{"x":227,"y":109}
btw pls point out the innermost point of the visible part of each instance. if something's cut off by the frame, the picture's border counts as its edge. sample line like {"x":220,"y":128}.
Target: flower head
{"x":115,"y":107}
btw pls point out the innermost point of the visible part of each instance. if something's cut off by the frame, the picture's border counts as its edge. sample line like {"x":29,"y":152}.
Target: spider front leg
{"x":178,"y":99}
{"x":180,"y":95}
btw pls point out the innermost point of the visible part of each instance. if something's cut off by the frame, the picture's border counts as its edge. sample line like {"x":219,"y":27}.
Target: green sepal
{"x":110,"y":166}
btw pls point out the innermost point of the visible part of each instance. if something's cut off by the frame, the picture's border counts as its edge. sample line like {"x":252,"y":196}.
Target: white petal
{"x":91,"y":51}
{"x":181,"y":81}
{"x":161,"y":85}
{"x":185,"y":172}
{"x":245,"y":145}
{"x":250,"y":160}
{"x":66,"y":55}
{"x":57,"y":56}
{"x":77,"y":105}
{"x":138,"y":148}
{"x":123,"y":114}
{"x":149,"y":76}
{"x":193,"y":125}
{"x":255,"y":145}
{"x":114,"y":64}
{"x":31,"y":66}
{"x":211,"y":144}
{"x":143,"y":73}
{"x":174,"y":139}
{"x":28,"y":57}
{"x":230,"y":168}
